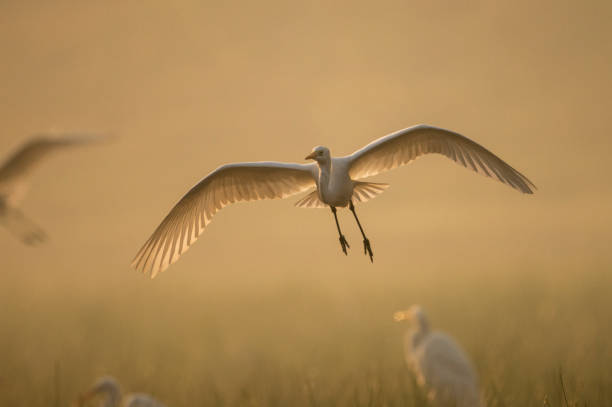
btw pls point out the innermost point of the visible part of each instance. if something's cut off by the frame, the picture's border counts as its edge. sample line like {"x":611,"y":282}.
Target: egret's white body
{"x":441,"y":367}
{"x":14,"y":176}
{"x":107,"y":389}
{"x":336,"y":181}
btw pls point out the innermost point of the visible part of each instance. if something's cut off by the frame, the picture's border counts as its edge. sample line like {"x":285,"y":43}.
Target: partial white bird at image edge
{"x":15,"y":175}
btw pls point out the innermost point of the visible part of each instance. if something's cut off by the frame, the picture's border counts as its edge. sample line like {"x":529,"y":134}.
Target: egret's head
{"x":414,"y":314}
{"x":320,"y":154}
{"x":105,"y":385}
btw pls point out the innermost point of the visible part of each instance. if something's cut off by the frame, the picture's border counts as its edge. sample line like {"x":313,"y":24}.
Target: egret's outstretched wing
{"x":228,"y":184}
{"x":15,"y":170}
{"x":406,"y":145}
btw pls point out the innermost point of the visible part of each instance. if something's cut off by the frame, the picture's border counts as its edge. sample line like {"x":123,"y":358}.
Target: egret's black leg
{"x":367,"y":249}
{"x":343,"y":241}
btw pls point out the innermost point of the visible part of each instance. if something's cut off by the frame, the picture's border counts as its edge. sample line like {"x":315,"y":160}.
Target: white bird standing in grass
{"x":335,"y":180}
{"x":109,"y":392}
{"x":441,"y":367}
{"x":14,"y":176}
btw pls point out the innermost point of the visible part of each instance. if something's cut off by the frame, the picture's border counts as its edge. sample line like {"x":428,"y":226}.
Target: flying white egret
{"x":14,"y":176}
{"x":440,"y":365}
{"x":335,"y":180}
{"x":108,"y":389}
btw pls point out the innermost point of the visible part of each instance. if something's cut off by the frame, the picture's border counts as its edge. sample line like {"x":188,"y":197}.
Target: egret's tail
{"x":311,"y":201}
{"x":364,"y":191}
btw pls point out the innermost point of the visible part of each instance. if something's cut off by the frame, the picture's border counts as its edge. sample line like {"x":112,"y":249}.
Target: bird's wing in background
{"x":19,"y":225}
{"x":448,"y":371}
{"x":15,"y":170}
{"x":447,"y":358}
{"x":406,"y":145}
{"x":227,"y":184}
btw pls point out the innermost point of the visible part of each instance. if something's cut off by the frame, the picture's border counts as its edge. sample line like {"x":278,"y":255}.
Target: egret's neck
{"x":414,"y":338}
{"x":418,"y":332}
{"x":324,"y":173}
{"x":423,"y":324}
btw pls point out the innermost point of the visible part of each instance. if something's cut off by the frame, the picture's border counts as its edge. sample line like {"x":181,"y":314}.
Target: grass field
{"x":311,"y":343}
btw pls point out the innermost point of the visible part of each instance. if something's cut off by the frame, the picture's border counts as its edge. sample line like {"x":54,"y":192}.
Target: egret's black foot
{"x":344,"y":244}
{"x":367,"y":249}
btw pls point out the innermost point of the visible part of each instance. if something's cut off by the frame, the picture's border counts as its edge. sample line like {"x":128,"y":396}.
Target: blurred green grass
{"x":312,"y":342}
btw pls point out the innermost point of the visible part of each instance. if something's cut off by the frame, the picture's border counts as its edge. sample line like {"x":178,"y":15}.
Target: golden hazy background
{"x":265,"y":309}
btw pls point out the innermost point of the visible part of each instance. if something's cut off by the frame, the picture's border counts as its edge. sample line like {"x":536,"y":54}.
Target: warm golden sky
{"x":193,"y":85}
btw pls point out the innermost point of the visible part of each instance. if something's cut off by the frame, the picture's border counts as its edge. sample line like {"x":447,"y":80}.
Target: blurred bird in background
{"x":441,"y":367}
{"x":15,"y":173}
{"x":108,"y":391}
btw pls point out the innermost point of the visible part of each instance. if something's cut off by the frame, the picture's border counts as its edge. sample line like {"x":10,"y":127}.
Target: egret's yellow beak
{"x":311,"y":156}
{"x":400,"y":316}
